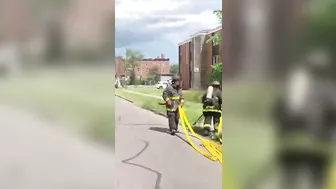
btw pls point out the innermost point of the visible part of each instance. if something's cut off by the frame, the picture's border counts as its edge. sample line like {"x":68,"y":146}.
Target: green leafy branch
{"x":217,"y":38}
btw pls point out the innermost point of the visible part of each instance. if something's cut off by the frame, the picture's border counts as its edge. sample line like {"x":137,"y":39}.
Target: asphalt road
{"x":149,"y":158}
{"x":38,"y":154}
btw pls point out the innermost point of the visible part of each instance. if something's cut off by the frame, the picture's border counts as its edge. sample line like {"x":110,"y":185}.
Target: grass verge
{"x":190,"y":96}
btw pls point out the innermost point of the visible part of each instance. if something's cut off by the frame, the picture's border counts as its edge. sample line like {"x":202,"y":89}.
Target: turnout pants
{"x":208,"y":116}
{"x":294,"y":166}
{"x":173,"y":119}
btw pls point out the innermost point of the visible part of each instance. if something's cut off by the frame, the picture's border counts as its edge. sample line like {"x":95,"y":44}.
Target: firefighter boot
{"x":207,"y":131}
{"x":172,"y":123}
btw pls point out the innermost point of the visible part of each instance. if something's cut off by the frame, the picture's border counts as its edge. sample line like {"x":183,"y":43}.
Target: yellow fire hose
{"x":220,"y":126}
{"x":214,"y":150}
{"x":331,"y":180}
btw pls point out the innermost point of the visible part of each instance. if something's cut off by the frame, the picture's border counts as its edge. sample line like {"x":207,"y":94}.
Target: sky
{"x":157,"y":26}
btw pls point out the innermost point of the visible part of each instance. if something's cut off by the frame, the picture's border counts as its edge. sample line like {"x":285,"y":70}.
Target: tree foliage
{"x":217,"y":37}
{"x":154,"y":73}
{"x":133,"y":57}
{"x":174,"y":69}
{"x":321,"y":28}
{"x":131,"y":61}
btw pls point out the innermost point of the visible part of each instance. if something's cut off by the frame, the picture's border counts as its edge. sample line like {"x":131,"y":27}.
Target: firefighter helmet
{"x":176,"y":78}
{"x":215,"y":83}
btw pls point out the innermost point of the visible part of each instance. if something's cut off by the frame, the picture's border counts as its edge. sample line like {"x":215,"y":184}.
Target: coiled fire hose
{"x":214,"y":150}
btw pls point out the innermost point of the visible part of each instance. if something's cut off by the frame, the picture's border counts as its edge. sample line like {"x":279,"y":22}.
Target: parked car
{"x":161,"y":84}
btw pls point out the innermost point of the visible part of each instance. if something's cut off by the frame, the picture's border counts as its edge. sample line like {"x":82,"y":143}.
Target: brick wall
{"x":206,"y":61}
{"x":184,"y":65}
{"x":143,"y":67}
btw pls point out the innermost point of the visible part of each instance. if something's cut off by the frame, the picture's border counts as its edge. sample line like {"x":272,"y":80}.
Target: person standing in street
{"x":173,"y":96}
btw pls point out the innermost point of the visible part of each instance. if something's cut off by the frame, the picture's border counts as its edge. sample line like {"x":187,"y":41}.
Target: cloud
{"x":152,"y":26}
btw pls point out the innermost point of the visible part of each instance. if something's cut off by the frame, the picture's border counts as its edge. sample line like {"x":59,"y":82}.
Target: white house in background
{"x":165,"y":77}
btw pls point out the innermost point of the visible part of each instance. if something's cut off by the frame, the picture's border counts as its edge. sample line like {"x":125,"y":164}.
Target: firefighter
{"x":212,"y":107}
{"x":305,"y":118}
{"x":173,"y":96}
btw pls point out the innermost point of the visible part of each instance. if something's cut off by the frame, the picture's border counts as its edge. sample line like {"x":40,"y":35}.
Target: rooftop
{"x":202,"y":32}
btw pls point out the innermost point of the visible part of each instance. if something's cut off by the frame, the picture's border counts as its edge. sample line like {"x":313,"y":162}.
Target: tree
{"x":154,"y":73}
{"x":174,"y":69}
{"x":217,"y":37}
{"x":321,"y":28}
{"x":320,"y":31}
{"x":131,"y":61}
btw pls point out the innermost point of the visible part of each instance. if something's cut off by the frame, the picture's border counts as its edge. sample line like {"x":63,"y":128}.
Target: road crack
{"x":158,"y":174}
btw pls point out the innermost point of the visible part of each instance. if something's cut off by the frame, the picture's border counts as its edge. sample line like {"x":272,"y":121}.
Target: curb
{"x":124,"y":98}
{"x":156,"y":112}
{"x":149,"y":109}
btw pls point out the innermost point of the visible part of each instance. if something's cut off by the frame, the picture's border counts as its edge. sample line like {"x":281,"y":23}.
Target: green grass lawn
{"x":193,"y":110}
{"x":190,"y":96}
{"x":81,"y":99}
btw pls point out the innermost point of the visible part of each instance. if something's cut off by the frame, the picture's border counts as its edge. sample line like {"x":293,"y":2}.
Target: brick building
{"x":142,"y":70}
{"x":196,"y":57}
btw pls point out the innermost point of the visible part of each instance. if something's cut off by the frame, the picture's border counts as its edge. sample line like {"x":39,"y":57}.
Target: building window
{"x":138,"y":69}
{"x":215,"y":59}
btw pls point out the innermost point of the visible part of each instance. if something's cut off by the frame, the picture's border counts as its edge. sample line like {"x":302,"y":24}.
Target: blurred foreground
{"x":75,"y":96}
{"x":38,"y":154}
{"x":46,"y":119}
{"x":56,"y":94}
{"x":279,"y":94}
